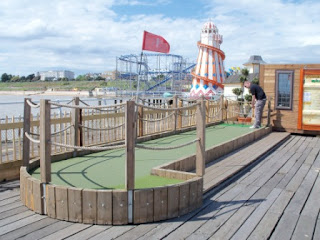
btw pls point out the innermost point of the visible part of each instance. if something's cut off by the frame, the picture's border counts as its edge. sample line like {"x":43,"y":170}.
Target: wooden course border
{"x":110,"y":206}
{"x":179,"y":169}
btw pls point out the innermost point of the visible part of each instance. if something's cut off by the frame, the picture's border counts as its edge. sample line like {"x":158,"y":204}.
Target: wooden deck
{"x":275,"y":197}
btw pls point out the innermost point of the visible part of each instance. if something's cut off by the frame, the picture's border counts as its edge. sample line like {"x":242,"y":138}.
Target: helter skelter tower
{"x":209,"y":76}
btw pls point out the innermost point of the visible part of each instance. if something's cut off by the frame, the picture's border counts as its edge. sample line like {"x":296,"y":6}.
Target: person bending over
{"x":258,"y":100}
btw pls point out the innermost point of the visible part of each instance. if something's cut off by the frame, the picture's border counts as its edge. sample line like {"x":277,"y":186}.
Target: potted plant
{"x":245,"y":109}
{"x":244,"y":106}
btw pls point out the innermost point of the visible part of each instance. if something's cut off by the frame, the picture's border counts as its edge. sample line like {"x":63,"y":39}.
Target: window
{"x":284,"y":89}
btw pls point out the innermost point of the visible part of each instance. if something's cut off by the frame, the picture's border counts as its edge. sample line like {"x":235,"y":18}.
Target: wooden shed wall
{"x":283,"y":120}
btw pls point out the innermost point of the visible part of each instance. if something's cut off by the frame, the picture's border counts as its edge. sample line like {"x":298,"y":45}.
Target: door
{"x":309,"y":102}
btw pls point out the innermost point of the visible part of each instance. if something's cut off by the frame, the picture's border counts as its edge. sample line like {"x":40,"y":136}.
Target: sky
{"x":87,"y":36}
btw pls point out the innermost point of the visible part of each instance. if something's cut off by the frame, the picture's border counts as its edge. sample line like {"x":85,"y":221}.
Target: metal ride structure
{"x":158,"y":71}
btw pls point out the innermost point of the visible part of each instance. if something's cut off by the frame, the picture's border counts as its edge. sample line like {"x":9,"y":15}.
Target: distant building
{"x":55,"y":75}
{"x":233,"y":81}
{"x":110,"y":75}
{"x":253,"y":64}
{"x":93,"y":75}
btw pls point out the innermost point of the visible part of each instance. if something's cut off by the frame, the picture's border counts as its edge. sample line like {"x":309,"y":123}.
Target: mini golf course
{"x":106,"y":170}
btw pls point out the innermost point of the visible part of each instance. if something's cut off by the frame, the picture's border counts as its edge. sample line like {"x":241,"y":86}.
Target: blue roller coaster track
{"x":169,"y":77}
{"x":140,"y":61}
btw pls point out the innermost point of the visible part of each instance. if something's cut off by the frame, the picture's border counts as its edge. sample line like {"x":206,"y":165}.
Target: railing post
{"x":75,"y":122}
{"x":179,"y":124}
{"x":26,"y":129}
{"x":222,"y":107}
{"x":269,"y":113}
{"x":175,"y":105}
{"x":140,"y":115}
{"x":226,"y":103}
{"x":207,"y":111}
{"x":130,"y":144}
{"x":200,"y":146}
{"x":45,"y":144}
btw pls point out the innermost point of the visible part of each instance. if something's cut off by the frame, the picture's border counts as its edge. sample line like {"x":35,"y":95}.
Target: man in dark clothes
{"x":258,"y":100}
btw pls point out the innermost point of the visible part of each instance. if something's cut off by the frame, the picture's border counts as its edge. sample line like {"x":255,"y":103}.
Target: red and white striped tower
{"x":209,"y":75}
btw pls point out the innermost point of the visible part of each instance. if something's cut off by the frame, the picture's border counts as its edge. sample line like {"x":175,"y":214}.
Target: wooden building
{"x":294,"y":90}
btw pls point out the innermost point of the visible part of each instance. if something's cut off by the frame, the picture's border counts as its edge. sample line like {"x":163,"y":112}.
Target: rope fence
{"x":102,"y":129}
{"x":32,"y":104}
{"x":84,"y":103}
{"x":62,"y":130}
{"x":34,"y":134}
{"x":88,"y":148}
{"x":32,"y":139}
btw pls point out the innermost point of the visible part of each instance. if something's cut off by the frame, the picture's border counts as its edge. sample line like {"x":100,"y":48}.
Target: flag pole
{"x":138,"y":87}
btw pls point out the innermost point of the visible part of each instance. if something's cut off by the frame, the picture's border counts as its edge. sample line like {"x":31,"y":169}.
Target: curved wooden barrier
{"x":119,"y":207}
{"x":110,"y":206}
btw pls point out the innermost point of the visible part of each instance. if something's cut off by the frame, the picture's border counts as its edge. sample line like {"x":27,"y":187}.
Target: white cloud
{"x":83,"y":35}
{"x":277,"y":30}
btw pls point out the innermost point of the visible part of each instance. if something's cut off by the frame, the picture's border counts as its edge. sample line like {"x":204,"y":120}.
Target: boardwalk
{"x":276,"y":197}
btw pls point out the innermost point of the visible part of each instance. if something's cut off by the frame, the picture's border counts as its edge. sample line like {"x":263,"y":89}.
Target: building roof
{"x":236,"y":78}
{"x":255,"y":59}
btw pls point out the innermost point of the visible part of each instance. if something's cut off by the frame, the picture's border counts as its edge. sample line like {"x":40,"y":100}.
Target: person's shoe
{"x":253,"y":126}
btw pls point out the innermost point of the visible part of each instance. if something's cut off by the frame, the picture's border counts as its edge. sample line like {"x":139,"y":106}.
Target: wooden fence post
{"x":140,"y":115}
{"x":269,"y":113}
{"x":207,"y":111}
{"x":179,"y":123}
{"x":222,"y":107}
{"x":75,"y":122}
{"x":201,"y":144}
{"x":226,"y":103}
{"x":45,"y":144}
{"x":130,"y":144}
{"x":26,"y":129}
{"x":175,"y":105}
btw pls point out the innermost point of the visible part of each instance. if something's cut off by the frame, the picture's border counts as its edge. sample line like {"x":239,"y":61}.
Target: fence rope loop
{"x":167,"y":148}
{"x":101,"y":129}
{"x":62,"y":130}
{"x":83,"y":102}
{"x":32,"y":104}
{"x":32,"y":139}
{"x":89,"y":148}
{"x":34,"y":134}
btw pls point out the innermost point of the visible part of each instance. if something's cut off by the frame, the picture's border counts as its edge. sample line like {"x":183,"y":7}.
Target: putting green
{"x":106,"y":170}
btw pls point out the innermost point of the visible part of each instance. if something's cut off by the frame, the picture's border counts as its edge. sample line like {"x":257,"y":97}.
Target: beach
{"x":47,"y":93}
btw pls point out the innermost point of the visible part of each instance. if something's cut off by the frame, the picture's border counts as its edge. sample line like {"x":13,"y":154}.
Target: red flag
{"x":155,"y":43}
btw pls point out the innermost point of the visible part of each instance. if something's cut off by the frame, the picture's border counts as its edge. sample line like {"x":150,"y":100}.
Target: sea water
{"x":12,"y":105}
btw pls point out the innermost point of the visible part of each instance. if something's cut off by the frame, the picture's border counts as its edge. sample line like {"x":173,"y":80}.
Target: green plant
{"x":255,"y":81}
{"x":248,"y":97}
{"x":237,"y":91}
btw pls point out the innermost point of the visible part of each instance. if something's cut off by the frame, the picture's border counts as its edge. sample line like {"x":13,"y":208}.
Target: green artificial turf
{"x":106,"y":170}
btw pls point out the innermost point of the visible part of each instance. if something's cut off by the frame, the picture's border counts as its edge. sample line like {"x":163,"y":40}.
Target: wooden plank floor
{"x":276,"y":197}
{"x":224,"y":167}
